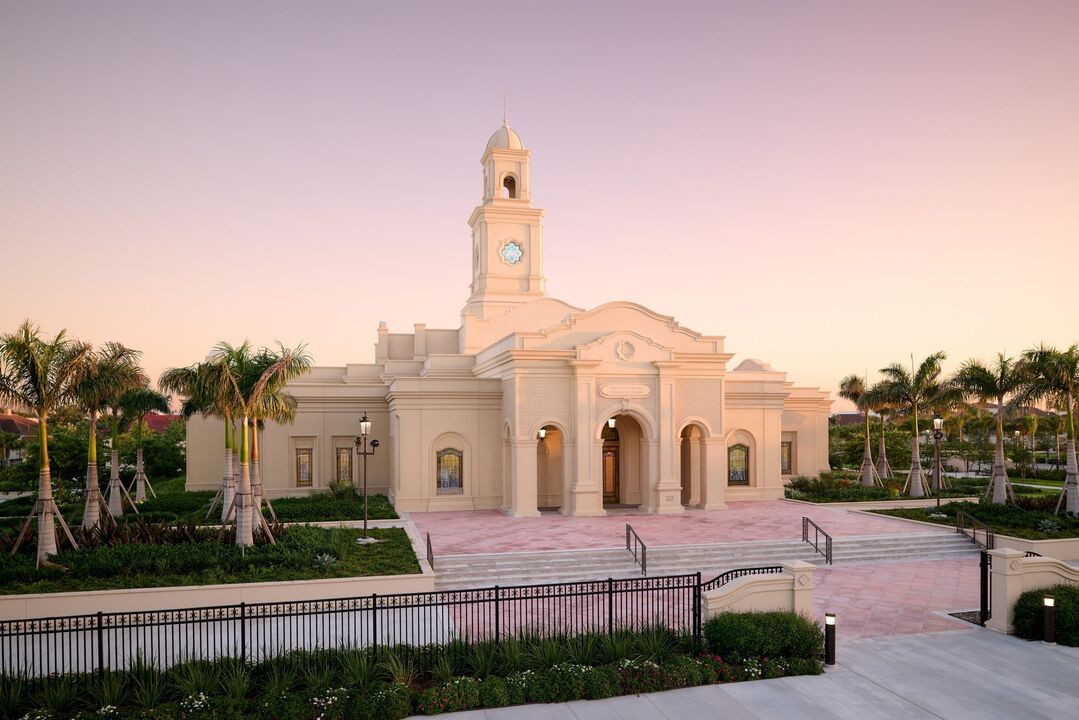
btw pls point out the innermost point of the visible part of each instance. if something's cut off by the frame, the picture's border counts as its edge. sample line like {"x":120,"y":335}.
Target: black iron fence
{"x":99,"y":641}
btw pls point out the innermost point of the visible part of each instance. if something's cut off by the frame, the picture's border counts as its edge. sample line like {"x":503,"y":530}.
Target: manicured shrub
{"x":459,"y":694}
{"x":1030,"y":614}
{"x":771,"y":634}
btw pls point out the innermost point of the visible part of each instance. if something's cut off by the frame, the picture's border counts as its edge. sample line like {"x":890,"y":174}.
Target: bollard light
{"x":1049,"y":603}
{"x":829,"y":638}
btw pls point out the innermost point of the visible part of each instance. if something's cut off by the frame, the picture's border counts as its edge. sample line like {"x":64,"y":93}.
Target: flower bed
{"x":392,"y":683}
{"x":831,"y":488}
{"x":165,"y":556}
{"x":1031,"y":517}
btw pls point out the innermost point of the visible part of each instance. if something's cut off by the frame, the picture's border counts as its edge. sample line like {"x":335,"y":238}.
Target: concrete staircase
{"x":525,"y":568}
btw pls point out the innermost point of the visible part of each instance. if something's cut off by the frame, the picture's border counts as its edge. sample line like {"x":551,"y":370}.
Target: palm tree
{"x":109,"y":372}
{"x":1006,"y":379}
{"x":1030,"y":427}
{"x":1055,"y":377}
{"x":1059,"y":424}
{"x":248,"y":381}
{"x":41,"y":375}
{"x":195,"y":384}
{"x":873,"y":401}
{"x":135,"y":404}
{"x":852,"y":388}
{"x":913,"y":390}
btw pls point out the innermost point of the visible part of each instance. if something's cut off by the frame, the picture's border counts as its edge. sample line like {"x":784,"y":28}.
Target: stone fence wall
{"x":792,"y":590}
{"x":1014,"y":573}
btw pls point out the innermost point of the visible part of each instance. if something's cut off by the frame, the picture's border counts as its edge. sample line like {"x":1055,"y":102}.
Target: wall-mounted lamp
{"x":610,"y":423}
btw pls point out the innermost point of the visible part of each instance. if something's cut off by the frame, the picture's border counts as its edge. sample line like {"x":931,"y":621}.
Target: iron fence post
{"x":610,"y":606}
{"x":243,"y":631}
{"x":101,"y":642}
{"x":983,"y":612}
{"x":498,"y":628}
{"x":374,"y":621}
{"x":697,"y":599}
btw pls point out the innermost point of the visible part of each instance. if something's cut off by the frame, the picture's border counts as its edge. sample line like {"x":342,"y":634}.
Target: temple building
{"x":533,"y":403}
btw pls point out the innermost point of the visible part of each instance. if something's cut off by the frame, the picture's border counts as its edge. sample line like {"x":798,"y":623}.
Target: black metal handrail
{"x":430,"y":553}
{"x":817,"y":532}
{"x":1031,"y":553}
{"x":963,"y":520}
{"x":725,"y":577}
{"x":633,"y":544}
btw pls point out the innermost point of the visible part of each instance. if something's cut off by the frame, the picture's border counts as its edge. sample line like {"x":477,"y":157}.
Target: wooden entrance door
{"x":610,"y":472}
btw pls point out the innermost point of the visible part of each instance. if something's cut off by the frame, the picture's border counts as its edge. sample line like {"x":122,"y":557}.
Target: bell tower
{"x":507,"y":232}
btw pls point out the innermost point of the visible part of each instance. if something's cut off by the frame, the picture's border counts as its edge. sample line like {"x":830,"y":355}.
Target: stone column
{"x":584,"y":493}
{"x":666,"y":498}
{"x":524,"y":488}
{"x":714,"y":477}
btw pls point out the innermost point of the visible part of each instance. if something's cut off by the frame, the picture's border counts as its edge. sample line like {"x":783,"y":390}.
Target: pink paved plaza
{"x":489,"y":531}
{"x":896,"y":598}
{"x":869,"y":599}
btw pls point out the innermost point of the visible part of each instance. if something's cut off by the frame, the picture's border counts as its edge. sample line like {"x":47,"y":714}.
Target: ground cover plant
{"x":842,"y":487}
{"x":392,"y":683}
{"x":139,"y":554}
{"x":1030,"y":517}
{"x":1030,"y":618}
{"x":174,"y":504}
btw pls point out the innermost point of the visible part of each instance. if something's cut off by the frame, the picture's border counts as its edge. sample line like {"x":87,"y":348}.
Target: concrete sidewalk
{"x":975,"y":674}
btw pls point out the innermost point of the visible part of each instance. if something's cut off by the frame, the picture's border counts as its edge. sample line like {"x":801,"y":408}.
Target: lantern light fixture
{"x":610,"y":423}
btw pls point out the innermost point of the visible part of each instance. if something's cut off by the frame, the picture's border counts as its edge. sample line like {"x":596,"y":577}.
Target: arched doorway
{"x":622,"y":461}
{"x":550,"y":461}
{"x":692,"y":463}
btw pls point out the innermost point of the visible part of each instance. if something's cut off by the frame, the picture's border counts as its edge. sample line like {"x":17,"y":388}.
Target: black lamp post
{"x":362,"y":445}
{"x":938,"y":435}
{"x":829,"y":638}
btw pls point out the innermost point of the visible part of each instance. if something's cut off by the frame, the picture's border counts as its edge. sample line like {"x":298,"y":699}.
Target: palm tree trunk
{"x":884,"y":468}
{"x":998,"y":483}
{"x":1071,"y":473}
{"x":915,"y":479}
{"x":116,"y":500}
{"x":46,"y":526}
{"x":244,"y":528}
{"x":91,"y":514}
{"x":234,"y":463}
{"x":140,"y":475}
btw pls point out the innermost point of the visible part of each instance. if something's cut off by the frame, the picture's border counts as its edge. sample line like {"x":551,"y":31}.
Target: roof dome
{"x":505,"y":137}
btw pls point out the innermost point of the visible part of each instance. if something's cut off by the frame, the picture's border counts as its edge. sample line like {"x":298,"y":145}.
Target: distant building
{"x":24,"y":427}
{"x":159,"y":422}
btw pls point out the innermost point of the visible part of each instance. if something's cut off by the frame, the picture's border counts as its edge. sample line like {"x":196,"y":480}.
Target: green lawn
{"x":1033,"y":519}
{"x":302,"y":553}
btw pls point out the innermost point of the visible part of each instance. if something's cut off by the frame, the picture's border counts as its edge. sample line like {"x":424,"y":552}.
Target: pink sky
{"x":183,"y":173}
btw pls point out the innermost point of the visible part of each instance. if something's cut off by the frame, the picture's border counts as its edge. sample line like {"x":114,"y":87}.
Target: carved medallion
{"x":624,"y":350}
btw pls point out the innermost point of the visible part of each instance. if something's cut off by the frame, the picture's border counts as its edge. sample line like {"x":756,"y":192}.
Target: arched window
{"x":738,"y":465}
{"x":509,"y":185}
{"x":449,"y":471}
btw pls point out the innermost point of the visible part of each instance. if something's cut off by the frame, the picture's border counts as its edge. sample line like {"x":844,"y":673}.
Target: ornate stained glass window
{"x":344,"y":465}
{"x":449,"y":464}
{"x":305,"y":467}
{"x":786,"y":455}
{"x":738,"y":465}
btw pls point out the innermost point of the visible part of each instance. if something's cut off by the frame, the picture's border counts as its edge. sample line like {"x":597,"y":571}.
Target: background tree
{"x":1055,"y":377}
{"x":109,"y":372}
{"x":8,"y":443}
{"x":135,"y":404}
{"x":41,"y":375}
{"x":852,"y":388}
{"x":1030,"y":429}
{"x":1004,"y":380}
{"x":914,"y":390}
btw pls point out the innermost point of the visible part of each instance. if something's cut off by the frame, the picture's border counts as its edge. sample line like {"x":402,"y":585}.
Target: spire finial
{"x":505,"y":115}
